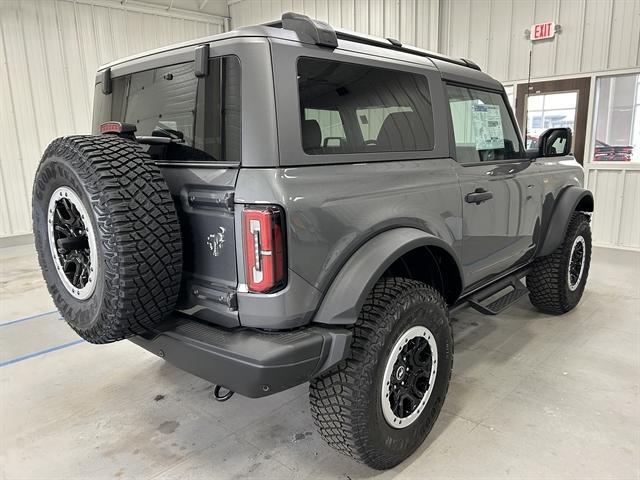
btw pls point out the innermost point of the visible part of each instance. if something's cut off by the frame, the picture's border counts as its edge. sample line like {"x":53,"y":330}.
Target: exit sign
{"x":542,"y":31}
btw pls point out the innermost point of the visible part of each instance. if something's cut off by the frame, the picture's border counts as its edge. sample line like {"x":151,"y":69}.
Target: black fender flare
{"x":567,"y":203}
{"x":347,"y":293}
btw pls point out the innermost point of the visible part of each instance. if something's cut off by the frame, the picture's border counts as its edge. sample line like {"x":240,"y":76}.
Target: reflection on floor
{"x":531,"y":396}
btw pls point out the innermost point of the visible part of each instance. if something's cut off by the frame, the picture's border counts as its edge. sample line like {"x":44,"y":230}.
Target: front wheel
{"x":378,"y":405}
{"x":557,"y":281}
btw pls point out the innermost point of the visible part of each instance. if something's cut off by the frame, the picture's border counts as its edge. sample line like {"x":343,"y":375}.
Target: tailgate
{"x":190,"y":123}
{"x":204,"y":201}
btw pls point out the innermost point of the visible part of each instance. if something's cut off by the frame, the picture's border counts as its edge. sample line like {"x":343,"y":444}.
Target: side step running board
{"x":514,"y":290}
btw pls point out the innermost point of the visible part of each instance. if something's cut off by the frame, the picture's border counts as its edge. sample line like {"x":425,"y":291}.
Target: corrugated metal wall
{"x":49,"y":53}
{"x":596,"y":35}
{"x":411,"y":21}
{"x":616,"y":218}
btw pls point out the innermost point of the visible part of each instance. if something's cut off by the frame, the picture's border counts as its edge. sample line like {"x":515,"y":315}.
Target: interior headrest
{"x":311,"y":134}
{"x":404,"y":131}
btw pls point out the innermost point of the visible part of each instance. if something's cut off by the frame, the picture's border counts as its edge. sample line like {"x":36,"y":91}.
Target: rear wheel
{"x":557,"y":281}
{"x":107,"y":236}
{"x":379,"y":404}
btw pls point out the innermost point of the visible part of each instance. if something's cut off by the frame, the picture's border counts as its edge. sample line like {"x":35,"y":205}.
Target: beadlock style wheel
{"x":72,"y":242}
{"x":379,"y":404}
{"x":576,"y":263}
{"x":557,"y":281}
{"x":409,"y":377}
{"x":107,"y":236}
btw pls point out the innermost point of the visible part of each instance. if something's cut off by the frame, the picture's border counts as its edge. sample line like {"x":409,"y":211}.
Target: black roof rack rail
{"x":324,"y":34}
{"x":391,"y":44}
{"x":471,"y":64}
{"x":394,"y":42}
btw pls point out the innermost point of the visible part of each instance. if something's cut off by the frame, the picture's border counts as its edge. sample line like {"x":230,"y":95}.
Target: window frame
{"x":285,"y":57}
{"x":200,"y":83}
{"x":502,"y":93}
{"x":590,"y":141}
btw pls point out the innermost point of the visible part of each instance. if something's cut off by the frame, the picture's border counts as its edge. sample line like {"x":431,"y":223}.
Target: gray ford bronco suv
{"x":291,"y":203}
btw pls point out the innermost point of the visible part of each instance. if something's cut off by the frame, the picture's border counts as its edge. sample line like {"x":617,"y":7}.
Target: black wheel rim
{"x":70,"y":236}
{"x":576,"y":263}
{"x":72,"y":242}
{"x":409,"y":376}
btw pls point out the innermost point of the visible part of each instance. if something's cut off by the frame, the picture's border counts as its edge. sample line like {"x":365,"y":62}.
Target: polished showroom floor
{"x":532,"y":396}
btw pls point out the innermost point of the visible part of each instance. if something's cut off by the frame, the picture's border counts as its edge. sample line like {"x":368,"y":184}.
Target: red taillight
{"x":117,"y":127}
{"x":264,"y":256}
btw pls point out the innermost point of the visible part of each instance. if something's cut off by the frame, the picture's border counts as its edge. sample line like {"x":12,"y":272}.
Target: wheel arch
{"x":388,"y":254}
{"x":571,"y":199}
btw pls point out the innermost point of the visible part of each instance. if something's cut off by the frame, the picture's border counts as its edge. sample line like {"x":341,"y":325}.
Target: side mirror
{"x":555,"y":142}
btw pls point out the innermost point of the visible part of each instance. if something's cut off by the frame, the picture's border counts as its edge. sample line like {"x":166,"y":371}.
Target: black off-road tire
{"x":548,"y":281}
{"x":132,"y":215}
{"x":345,"y":401}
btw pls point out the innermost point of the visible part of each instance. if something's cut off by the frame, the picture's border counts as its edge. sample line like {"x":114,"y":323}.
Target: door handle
{"x":478,"y":196}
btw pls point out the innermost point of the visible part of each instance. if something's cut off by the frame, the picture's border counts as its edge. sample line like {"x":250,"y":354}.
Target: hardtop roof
{"x":450,"y":68}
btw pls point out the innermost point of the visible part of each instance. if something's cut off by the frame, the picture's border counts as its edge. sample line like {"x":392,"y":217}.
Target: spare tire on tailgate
{"x":107,"y":236}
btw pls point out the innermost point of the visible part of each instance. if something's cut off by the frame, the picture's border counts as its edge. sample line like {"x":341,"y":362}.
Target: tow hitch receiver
{"x":222,"y":394}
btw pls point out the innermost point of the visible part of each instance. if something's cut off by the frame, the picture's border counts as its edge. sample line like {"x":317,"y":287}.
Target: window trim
{"x":452,"y":140}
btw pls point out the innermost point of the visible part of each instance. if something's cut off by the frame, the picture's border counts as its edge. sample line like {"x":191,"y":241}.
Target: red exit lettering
{"x":541,"y":31}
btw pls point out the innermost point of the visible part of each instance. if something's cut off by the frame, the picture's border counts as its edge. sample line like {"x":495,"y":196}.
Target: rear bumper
{"x":254,"y":364}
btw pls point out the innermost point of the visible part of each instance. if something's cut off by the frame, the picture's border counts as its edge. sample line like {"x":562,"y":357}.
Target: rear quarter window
{"x":351,"y":108}
{"x":201,"y":115}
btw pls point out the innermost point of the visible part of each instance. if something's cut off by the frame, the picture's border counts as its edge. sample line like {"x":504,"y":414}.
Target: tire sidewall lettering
{"x":53,"y":173}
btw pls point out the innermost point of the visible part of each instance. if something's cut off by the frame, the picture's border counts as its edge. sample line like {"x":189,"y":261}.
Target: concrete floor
{"x":532,"y":396}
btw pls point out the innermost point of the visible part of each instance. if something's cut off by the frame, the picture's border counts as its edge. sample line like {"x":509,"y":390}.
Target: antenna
{"x":526,"y":98}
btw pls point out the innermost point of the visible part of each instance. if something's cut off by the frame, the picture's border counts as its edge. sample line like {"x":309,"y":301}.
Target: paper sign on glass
{"x":487,"y":127}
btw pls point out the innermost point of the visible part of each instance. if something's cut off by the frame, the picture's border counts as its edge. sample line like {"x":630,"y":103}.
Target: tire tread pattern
{"x":547,"y":281}
{"x":139,"y":233}
{"x":338,"y":397}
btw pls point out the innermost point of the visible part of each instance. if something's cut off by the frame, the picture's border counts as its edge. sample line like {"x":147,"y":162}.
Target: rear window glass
{"x":201,"y":116}
{"x":349,"y":108}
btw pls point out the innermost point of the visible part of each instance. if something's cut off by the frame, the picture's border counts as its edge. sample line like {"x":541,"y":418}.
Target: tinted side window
{"x":200,"y":115}
{"x":349,"y":108}
{"x":482,"y":126}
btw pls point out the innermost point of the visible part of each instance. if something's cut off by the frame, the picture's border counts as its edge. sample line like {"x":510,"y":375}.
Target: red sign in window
{"x":541,"y":31}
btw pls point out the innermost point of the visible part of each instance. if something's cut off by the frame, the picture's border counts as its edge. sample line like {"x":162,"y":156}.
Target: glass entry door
{"x":553,"y":104}
{"x":549,"y":110}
